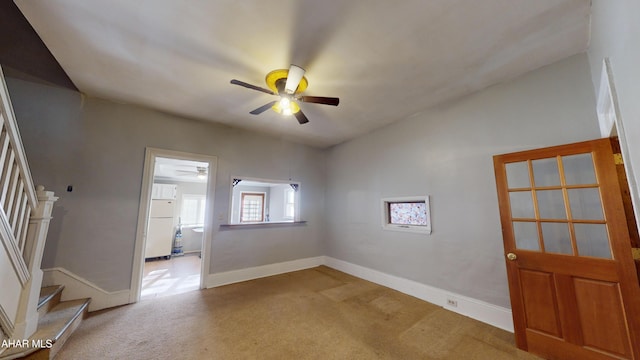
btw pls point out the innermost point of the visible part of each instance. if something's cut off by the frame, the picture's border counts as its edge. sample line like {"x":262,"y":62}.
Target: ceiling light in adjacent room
{"x":201,"y":172}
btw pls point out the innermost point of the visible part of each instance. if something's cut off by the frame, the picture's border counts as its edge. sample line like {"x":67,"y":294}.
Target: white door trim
{"x":143,"y":214}
{"x":611,"y":124}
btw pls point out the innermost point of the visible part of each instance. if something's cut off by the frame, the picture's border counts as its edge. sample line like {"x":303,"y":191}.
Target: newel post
{"x":27,"y":320}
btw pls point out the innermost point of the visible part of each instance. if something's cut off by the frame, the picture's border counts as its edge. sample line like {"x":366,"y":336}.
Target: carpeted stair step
{"x":54,"y":328}
{"x":49,"y":297}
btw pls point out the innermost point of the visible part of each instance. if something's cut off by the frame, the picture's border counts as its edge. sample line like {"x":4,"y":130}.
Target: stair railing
{"x":24,"y":222}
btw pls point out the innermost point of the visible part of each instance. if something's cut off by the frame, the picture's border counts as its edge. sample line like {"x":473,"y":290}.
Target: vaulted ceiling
{"x":385,"y":60}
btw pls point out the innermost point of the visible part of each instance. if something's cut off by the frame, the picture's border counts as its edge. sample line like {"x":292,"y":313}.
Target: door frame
{"x":609,"y":113}
{"x":145,"y":204}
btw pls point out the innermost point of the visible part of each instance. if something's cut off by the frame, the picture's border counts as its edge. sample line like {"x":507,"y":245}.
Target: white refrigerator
{"x":160,"y":231}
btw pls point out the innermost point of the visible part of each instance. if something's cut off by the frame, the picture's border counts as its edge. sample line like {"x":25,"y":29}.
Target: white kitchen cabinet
{"x":164,"y":191}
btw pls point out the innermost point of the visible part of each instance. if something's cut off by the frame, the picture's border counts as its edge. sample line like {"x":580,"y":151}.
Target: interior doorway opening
{"x":173,"y":246}
{"x":173,"y":237}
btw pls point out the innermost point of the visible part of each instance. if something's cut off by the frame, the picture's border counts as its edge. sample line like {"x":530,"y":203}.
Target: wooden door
{"x":572,"y":279}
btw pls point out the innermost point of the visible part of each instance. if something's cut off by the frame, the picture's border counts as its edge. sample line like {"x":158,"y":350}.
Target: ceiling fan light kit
{"x":286,"y":107}
{"x":289,"y":85}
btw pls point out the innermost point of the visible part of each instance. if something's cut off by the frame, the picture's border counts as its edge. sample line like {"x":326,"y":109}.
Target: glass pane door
{"x":556,"y":206}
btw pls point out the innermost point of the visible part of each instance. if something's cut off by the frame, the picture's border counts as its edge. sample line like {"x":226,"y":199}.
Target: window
{"x":289,"y":204}
{"x":192,"y":209}
{"x":406,"y":214}
{"x":252,"y":207}
{"x":257,"y":201}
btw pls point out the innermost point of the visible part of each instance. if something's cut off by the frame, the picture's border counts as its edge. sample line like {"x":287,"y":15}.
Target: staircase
{"x":57,"y":320}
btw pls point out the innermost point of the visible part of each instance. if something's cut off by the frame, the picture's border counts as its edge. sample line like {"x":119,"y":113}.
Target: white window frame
{"x":387,"y":225}
{"x":202,"y":199}
{"x":287,"y":203}
{"x":264,"y":206}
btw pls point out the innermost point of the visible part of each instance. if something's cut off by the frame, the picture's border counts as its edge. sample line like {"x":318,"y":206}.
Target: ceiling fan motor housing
{"x":288,"y":84}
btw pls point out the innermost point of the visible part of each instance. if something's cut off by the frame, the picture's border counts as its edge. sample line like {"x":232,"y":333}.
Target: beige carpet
{"x":318,"y":313}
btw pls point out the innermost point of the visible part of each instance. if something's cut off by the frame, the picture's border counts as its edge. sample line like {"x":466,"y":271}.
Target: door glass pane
{"x":518,"y":175}
{"x":545,"y":172}
{"x":526,"y":234}
{"x":585,"y":204}
{"x":556,"y":238}
{"x":521,"y":204}
{"x":592,"y":240}
{"x":551,"y":204}
{"x":578,"y":169}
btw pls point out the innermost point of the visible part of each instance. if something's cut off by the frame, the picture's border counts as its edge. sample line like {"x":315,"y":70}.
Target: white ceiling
{"x":385,"y":60}
{"x":178,"y":170}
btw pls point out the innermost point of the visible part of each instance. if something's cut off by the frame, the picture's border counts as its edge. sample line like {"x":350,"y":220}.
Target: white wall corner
{"x":612,"y":124}
{"x":606,"y":103}
{"x":235,"y":276}
{"x":494,"y":315}
{"x":75,"y":287}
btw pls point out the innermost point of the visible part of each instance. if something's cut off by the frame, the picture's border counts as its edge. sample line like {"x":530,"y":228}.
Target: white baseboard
{"x":494,"y":315}
{"x":76,"y":287}
{"x":235,"y":276}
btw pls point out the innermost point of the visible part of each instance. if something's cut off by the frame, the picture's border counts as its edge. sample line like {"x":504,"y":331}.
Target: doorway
{"x":568,"y":246}
{"x":174,"y":224}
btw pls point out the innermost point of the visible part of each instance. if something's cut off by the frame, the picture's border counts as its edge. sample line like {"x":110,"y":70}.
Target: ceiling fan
{"x":200,"y":173}
{"x":289,"y":86}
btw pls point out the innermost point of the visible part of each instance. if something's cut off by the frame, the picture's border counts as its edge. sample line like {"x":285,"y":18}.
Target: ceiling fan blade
{"x":249,"y":86}
{"x":320,"y":100}
{"x":293,"y":78}
{"x":262,"y":108}
{"x":302,"y":119}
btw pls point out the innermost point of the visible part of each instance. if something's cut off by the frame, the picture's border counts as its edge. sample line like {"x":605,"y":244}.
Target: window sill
{"x":261,"y":225}
{"x":408,"y":228}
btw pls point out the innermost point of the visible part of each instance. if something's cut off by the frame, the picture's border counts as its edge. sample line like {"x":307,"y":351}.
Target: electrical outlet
{"x":452,"y":303}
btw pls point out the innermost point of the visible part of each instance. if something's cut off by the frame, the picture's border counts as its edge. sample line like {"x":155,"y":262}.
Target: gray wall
{"x":98,"y":146}
{"x":615,"y":30}
{"x":447,"y":153}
